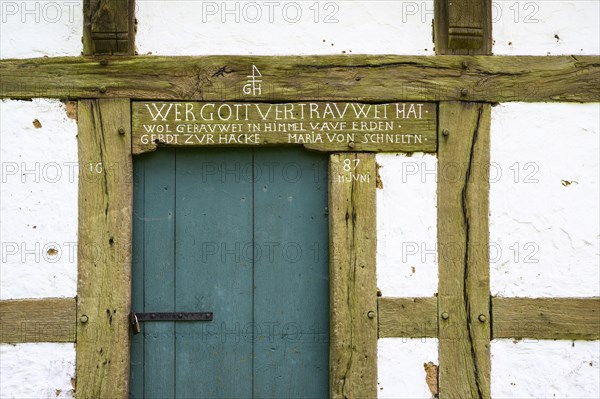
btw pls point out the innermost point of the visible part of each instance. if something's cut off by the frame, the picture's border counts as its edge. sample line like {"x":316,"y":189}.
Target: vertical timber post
{"x":353,"y":288}
{"x":463,"y":27}
{"x":104,"y":248}
{"x":105,"y":214}
{"x":109,"y":27}
{"x":463,"y":250}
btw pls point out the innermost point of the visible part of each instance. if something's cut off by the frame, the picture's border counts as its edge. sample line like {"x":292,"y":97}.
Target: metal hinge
{"x":136,"y":318}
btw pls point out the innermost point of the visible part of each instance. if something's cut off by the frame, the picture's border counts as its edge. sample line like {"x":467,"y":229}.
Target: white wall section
{"x":38,"y":200}
{"x":402,"y":367}
{"x":406,"y":225}
{"x":544,"y":196}
{"x":547,"y":27}
{"x":284,"y":27}
{"x":545,"y":369}
{"x":37,"y":370}
{"x":40,"y":28}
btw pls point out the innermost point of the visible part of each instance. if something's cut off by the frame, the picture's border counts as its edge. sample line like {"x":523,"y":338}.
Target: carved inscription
{"x":326,"y":126}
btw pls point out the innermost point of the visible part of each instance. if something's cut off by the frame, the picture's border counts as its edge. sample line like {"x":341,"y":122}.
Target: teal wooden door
{"x":241,"y":233}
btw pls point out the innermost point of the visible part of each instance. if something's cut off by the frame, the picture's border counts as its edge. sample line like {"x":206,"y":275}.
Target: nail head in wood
{"x":445,"y":315}
{"x":121,"y":131}
{"x":351,"y":144}
{"x":464,"y":92}
{"x":83,"y":319}
{"x":371,"y":314}
{"x":102,"y":89}
{"x":445,"y":132}
{"x":104,"y":62}
{"x":482,"y":318}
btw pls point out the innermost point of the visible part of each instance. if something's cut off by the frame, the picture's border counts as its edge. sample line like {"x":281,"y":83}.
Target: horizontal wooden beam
{"x":546,"y":318}
{"x":518,"y":318}
{"x":37,"y":320}
{"x":319,"y":126}
{"x":408,"y":317}
{"x":298,"y":78}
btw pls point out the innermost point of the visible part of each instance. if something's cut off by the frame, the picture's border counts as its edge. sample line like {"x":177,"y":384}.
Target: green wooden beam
{"x":318,"y":126}
{"x":352,"y":281}
{"x":546,"y":318}
{"x":104,"y":248}
{"x":463,"y":239}
{"x":341,"y":78}
{"x":37,"y":320}
{"x":407,"y":317}
{"x":516,"y":318}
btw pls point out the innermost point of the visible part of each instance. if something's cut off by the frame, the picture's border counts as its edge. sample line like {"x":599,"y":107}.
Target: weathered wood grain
{"x":463,"y":27}
{"x":546,"y":318}
{"x":321,"y":126}
{"x":108,"y":27}
{"x":341,"y":78}
{"x":352,"y":244}
{"x":463,"y":248}
{"x":407,"y":317}
{"x":104,"y":248}
{"x":37,"y":320}
{"x":518,"y":318}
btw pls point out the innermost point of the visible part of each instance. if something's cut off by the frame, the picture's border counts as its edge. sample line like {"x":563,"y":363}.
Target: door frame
{"x":105,"y":224}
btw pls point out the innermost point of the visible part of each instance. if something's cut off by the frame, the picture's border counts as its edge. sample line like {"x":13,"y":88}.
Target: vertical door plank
{"x":464,"y":287}
{"x":136,"y":387}
{"x":104,"y":248}
{"x":214,"y":272}
{"x":159,"y":273}
{"x":291,"y":274}
{"x":352,"y":225}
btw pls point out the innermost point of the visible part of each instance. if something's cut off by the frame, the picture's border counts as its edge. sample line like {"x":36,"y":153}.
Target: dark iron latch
{"x":136,"y":318}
